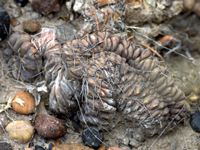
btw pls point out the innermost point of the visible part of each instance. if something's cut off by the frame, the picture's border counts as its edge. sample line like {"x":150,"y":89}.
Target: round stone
{"x":21,"y":131}
{"x":31,"y":26}
{"x":92,"y":138}
{"x":50,"y":127}
{"x":4,"y":23}
{"x":195,"y":121}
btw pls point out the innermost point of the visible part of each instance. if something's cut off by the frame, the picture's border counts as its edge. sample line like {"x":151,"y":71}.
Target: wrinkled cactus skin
{"x":96,"y":75}
{"x":24,"y":60}
{"x":112,"y":74}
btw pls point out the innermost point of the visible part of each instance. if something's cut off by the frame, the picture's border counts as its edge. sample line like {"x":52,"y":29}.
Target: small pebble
{"x":37,"y":147}
{"x":31,"y":26}
{"x":71,"y":146}
{"x":50,"y":146}
{"x":195,"y":121}
{"x":24,"y":103}
{"x":89,"y":138}
{"x":35,"y":15}
{"x":28,"y":149}
{"x":114,"y":148}
{"x":5,"y":146}
{"x":4,"y":23}
{"x":21,"y":131}
{"x":16,"y":12}
{"x":14,"y":22}
{"x":193,"y":98}
{"x":50,"y":127}
{"x":65,"y":31}
{"x":21,"y":3}
{"x":46,"y":7}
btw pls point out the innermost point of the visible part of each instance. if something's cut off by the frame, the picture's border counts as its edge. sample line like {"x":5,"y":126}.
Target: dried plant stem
{"x":104,"y":22}
{"x":95,"y":15}
{"x":152,"y":50}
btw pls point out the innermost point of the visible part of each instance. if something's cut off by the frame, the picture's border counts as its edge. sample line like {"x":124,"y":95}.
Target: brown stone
{"x":50,"y":127}
{"x":31,"y":26}
{"x":23,"y":103}
{"x":14,"y":22}
{"x":46,"y":6}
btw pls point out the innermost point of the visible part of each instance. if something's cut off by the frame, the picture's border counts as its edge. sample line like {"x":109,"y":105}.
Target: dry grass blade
{"x":152,"y":51}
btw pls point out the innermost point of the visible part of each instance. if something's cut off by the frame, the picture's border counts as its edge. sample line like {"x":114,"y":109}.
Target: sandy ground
{"x":182,"y":138}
